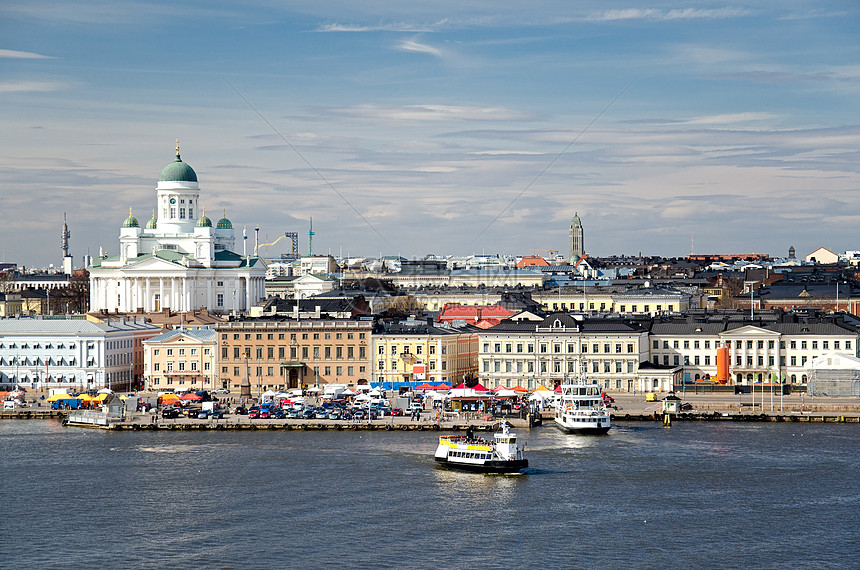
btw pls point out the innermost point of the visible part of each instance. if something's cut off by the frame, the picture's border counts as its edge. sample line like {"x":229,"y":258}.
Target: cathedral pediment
{"x":153,"y":263}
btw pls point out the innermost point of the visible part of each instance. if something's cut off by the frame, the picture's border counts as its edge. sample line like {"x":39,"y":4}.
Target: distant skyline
{"x":445,"y":128}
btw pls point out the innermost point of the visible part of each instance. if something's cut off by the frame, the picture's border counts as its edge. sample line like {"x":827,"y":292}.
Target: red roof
{"x":484,"y":316}
{"x":533,"y":261}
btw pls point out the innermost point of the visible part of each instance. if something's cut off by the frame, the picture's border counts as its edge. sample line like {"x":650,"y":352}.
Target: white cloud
{"x":381,"y":27}
{"x":28,"y":86}
{"x":15,"y":54}
{"x":667,"y":15}
{"x":729,"y":119}
{"x":428,"y":113}
{"x":414,"y":46}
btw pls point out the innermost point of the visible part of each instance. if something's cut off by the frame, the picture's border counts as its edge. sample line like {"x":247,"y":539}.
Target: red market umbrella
{"x":425,"y":386}
{"x":479,"y":388}
{"x":443,"y":386}
{"x":519,"y":388}
{"x":191,"y":397}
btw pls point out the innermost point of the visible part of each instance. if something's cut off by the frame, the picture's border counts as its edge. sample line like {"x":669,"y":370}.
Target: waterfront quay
{"x":627,"y":407}
{"x":767,"y":406}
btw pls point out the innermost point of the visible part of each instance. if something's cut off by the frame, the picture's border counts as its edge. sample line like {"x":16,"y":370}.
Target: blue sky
{"x":445,"y":127}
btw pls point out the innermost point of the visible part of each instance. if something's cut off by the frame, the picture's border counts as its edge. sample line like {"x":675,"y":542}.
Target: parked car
{"x":358,"y":414}
{"x":240,"y":410}
{"x":191,"y":412}
{"x":221,"y":391}
{"x":169,"y":413}
{"x":335,"y":414}
{"x":254,"y":412}
{"x":396,"y":412}
{"x":294,"y":414}
{"x":277,"y":414}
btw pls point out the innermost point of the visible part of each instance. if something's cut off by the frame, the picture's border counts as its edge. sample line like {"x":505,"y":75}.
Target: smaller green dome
{"x":224,"y":224}
{"x":130,"y":221}
{"x":204,"y":222}
{"x":153,"y":223}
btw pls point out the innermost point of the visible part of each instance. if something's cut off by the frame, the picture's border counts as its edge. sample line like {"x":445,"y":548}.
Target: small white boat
{"x":582,"y":410}
{"x":468,"y":453}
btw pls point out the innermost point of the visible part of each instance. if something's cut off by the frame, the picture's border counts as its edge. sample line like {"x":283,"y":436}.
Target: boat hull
{"x":513,"y":466}
{"x":584,"y":430}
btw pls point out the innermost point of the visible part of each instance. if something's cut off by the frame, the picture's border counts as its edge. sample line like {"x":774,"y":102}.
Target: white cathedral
{"x":177,"y":261}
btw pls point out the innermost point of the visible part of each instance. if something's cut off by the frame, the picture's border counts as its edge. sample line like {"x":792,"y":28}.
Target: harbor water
{"x":726,"y":495}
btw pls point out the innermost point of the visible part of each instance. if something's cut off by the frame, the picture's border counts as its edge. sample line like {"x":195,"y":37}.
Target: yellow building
{"x":415,"y":351}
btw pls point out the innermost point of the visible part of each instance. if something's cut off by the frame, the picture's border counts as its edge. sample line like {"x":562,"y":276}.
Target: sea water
{"x":698,"y":494}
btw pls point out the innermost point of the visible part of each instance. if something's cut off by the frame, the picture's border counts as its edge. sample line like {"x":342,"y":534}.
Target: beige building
{"x":182,"y":359}
{"x":621,"y":300}
{"x":279,"y":353}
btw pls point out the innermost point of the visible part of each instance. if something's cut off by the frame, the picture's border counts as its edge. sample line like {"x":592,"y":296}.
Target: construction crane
{"x":551,"y":252}
{"x":294,"y":237}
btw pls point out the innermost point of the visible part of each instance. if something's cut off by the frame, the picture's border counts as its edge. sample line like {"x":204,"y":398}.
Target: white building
{"x":76,"y":354}
{"x":562,"y":348}
{"x":756,"y":351}
{"x":178,"y":260}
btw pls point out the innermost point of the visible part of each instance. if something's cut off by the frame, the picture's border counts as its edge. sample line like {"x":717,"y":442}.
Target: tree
{"x":73,"y":298}
{"x":7,"y":281}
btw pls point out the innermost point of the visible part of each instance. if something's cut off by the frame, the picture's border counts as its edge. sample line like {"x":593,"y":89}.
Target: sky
{"x":447,"y":128}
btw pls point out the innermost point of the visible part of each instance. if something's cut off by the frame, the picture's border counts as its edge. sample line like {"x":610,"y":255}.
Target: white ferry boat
{"x":468,"y":453}
{"x":582,"y":410}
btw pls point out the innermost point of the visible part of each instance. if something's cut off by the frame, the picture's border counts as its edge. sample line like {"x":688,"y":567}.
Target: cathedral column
{"x":161,"y":292}
{"x":172,"y":293}
{"x":147,"y":302}
{"x":209,"y":293}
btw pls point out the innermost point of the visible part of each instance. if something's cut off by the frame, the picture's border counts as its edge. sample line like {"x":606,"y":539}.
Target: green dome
{"x":177,"y":171}
{"x":204,"y":222}
{"x":224,"y":224}
{"x":152,"y":224}
{"x":130,"y":221}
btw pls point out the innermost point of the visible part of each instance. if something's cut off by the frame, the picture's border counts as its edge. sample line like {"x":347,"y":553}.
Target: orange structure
{"x":722,"y":364}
